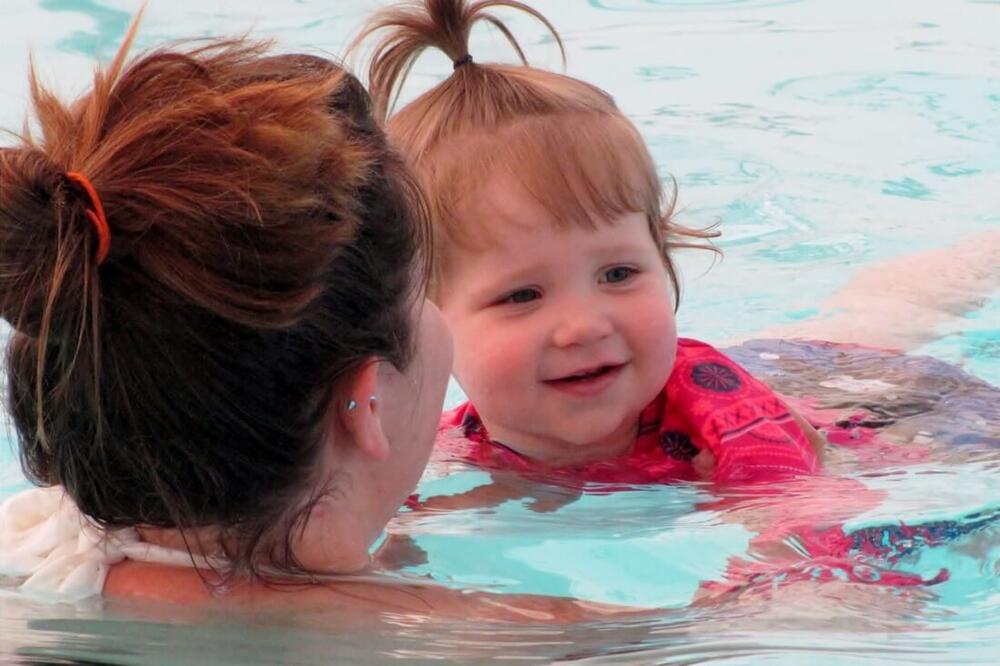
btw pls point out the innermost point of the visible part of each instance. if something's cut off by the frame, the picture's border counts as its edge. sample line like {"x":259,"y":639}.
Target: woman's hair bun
{"x":47,"y":244}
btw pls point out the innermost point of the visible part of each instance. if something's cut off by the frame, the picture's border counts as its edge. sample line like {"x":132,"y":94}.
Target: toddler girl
{"x":553,"y":267}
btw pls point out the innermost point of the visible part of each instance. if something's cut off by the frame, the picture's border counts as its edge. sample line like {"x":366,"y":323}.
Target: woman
{"x":221,"y":356}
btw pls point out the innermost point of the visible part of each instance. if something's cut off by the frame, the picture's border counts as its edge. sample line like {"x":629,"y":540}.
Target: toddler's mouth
{"x":588,"y":381}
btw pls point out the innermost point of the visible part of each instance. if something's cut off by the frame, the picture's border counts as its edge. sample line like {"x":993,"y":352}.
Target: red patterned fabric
{"x":709,"y":402}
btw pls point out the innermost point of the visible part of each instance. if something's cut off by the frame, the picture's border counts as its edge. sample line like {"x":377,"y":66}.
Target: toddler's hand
{"x":815,"y":438}
{"x":704,"y":464}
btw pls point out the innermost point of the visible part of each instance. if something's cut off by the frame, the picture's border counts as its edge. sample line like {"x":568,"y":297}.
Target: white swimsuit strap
{"x":61,"y":553}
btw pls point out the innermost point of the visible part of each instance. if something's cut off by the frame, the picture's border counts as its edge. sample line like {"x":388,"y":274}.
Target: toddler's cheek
{"x":490,"y":370}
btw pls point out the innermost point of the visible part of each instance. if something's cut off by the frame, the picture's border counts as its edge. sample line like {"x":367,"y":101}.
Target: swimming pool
{"x":825,"y":137}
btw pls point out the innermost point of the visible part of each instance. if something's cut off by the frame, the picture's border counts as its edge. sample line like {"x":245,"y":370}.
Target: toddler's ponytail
{"x":442,"y":24}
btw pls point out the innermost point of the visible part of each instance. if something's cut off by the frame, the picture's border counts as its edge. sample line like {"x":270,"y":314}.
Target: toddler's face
{"x":562,"y":336}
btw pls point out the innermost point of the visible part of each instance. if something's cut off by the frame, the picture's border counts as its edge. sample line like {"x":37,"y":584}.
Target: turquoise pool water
{"x":824,"y":137}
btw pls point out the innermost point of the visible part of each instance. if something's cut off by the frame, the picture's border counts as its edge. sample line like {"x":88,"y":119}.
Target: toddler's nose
{"x":583,"y":326}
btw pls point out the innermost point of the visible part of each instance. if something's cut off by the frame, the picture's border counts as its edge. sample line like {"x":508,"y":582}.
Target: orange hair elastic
{"x":95,"y":214}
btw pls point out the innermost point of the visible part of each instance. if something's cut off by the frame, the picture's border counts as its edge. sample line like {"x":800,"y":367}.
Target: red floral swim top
{"x":709,"y":402}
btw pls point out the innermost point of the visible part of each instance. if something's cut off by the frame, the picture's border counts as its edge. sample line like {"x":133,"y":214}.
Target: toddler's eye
{"x":619,"y":274}
{"x":522,"y":296}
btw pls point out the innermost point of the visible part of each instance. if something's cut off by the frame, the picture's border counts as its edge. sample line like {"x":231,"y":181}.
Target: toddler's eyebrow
{"x":522,"y":275}
{"x":617,"y":249}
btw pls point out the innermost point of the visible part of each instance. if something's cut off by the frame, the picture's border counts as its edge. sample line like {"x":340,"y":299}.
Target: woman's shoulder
{"x":359,"y":597}
{"x":157,"y":583}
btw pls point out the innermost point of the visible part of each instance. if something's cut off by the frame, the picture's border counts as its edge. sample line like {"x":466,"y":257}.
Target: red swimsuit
{"x":709,"y":402}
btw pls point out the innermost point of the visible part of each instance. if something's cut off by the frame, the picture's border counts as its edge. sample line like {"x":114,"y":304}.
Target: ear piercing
{"x":352,"y":404}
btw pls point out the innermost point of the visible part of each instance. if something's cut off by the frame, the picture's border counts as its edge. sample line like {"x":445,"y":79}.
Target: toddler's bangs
{"x":585,"y":169}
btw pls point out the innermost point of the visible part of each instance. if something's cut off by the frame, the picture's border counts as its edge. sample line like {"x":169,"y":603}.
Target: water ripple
{"x":963,"y":107}
{"x":906,"y":187}
{"x":665,"y":73}
{"x":740,"y":115}
{"x":817,"y":249}
{"x":678,"y":5}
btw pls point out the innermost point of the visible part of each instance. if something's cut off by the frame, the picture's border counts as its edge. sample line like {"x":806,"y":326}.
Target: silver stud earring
{"x":372,"y":400}
{"x":351,"y":405}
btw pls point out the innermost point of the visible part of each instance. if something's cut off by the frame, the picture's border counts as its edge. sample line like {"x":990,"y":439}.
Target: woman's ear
{"x":358,"y":411}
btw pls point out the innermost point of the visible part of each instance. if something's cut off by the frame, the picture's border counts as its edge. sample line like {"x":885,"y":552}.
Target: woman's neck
{"x":324,"y":544}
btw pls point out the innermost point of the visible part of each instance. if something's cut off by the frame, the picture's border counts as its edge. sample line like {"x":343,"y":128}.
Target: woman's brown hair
{"x":563,"y":140}
{"x":263,"y":244}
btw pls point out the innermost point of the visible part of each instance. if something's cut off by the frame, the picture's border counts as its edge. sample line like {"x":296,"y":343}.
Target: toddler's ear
{"x":358,"y":412}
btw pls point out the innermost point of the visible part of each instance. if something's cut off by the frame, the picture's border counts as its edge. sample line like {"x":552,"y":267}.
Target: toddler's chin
{"x":603,"y":443}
